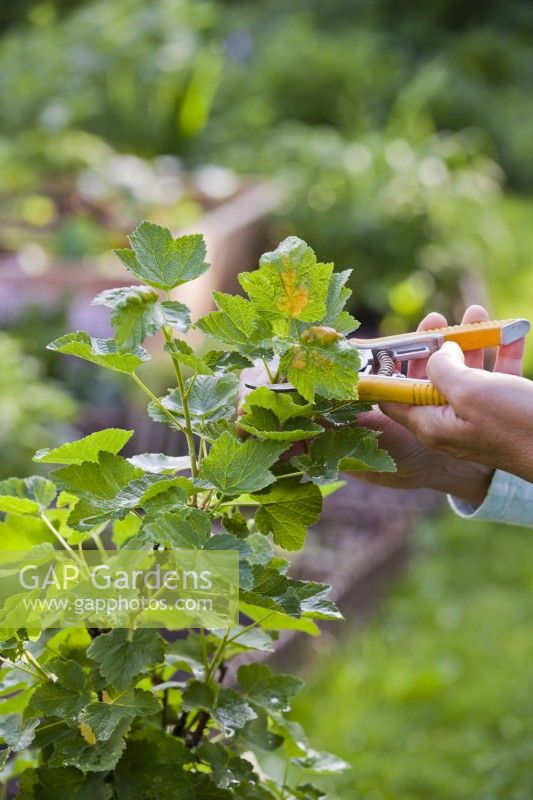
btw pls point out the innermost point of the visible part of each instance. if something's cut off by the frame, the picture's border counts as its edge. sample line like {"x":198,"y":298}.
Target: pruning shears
{"x":379,"y":379}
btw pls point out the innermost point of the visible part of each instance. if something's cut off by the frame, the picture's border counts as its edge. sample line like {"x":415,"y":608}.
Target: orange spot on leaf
{"x":295,"y":297}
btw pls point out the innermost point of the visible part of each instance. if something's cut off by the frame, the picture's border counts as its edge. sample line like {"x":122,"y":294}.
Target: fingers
{"x":475,"y":358}
{"x":447,"y":370}
{"x":510,"y":358}
{"x":417,"y":368}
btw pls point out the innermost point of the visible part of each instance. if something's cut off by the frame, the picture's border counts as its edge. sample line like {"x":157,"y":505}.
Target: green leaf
{"x":184,"y":354}
{"x":271,"y":691}
{"x":121,"y":657}
{"x":24,"y":532}
{"x":236,"y":323}
{"x":98,"y":485}
{"x":210,"y":398}
{"x":65,"y":698}
{"x":233,"y":467}
{"x":75,"y":751}
{"x":68,"y":783}
{"x":223,"y":361}
{"x":26,"y":495}
{"x":137,"y":314}
{"x":337,"y":414}
{"x":158,"y":463}
{"x":284,"y":405}
{"x":228,"y":769}
{"x":229,"y":710}
{"x":323,"y":362}
{"x":161,"y":260}
{"x":286,"y":509}
{"x":187,"y":528}
{"x":16,"y":733}
{"x":151,"y":769}
{"x":274,"y":620}
{"x":103,"y":352}
{"x":104,"y":717}
{"x":289,"y":284}
{"x":321,"y":762}
{"x":343,"y":450}
{"x":275,"y":591}
{"x":264,"y":424}
{"x":338,"y":294}
{"x":256,"y":733}
{"x":111,"y":440}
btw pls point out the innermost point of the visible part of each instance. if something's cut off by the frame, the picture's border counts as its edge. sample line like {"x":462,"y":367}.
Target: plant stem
{"x":56,"y":533}
{"x":157,"y":401}
{"x":265,"y":364}
{"x":184,"y":400}
{"x":63,"y":541}
{"x":13,"y":665}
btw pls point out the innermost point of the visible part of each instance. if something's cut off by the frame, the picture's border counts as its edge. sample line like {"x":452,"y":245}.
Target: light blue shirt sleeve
{"x":509,"y":499}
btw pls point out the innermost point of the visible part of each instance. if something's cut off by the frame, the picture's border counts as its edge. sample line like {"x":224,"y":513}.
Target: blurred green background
{"x":400,"y":137}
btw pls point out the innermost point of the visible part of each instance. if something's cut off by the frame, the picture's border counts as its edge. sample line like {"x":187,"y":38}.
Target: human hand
{"x":418,"y":463}
{"x":489,"y":419}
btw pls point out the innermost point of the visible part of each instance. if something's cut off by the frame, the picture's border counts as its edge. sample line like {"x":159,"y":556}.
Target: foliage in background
{"x":83,"y":709}
{"x":434,"y":698}
{"x":384,"y":124}
{"x":31,"y":409}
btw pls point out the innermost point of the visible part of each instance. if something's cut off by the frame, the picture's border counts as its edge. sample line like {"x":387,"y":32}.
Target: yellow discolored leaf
{"x":294,"y":297}
{"x":87,"y":733}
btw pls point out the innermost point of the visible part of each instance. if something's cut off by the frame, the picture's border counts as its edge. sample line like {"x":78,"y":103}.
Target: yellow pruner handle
{"x":382,"y":389}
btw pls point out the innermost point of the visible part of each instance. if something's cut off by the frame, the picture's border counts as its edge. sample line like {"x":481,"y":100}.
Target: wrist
{"x":464,"y":479}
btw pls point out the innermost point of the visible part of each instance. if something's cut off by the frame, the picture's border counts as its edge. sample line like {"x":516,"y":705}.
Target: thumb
{"x":446,"y":368}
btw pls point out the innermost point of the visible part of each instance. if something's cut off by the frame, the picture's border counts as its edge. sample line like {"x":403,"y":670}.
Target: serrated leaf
{"x":286,"y":510}
{"x":223,"y":361}
{"x":289,"y":285}
{"x":187,"y":528}
{"x":16,"y":733}
{"x":111,"y":440}
{"x":104,"y":717}
{"x":343,"y":450}
{"x":229,"y":710}
{"x":24,"y":532}
{"x":267,"y":689}
{"x":65,"y":698}
{"x":233,"y":467}
{"x":337,"y":296}
{"x":137,"y":314}
{"x":75,"y":751}
{"x":103,"y":352}
{"x":159,"y":777}
{"x":209,"y":397}
{"x":322,"y":363}
{"x":158,"y":463}
{"x":184,"y":354}
{"x":275,"y":591}
{"x":342,"y":414}
{"x":321,"y":763}
{"x":284,"y":405}
{"x":257,"y":735}
{"x":264,"y":424}
{"x":68,"y":783}
{"x":26,"y":495}
{"x":236,"y":323}
{"x":98,"y":485}
{"x":274,"y":620}
{"x":229,"y":770}
{"x":122,"y":656}
{"x":162,"y":261}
